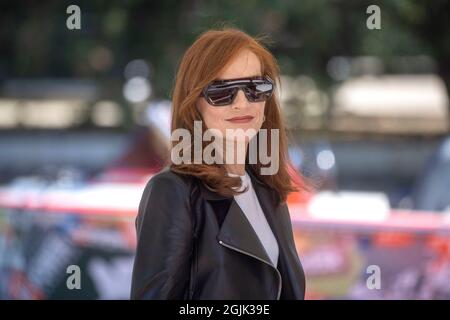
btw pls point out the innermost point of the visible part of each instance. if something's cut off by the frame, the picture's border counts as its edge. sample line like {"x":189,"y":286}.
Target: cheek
{"x":212,"y":116}
{"x":261,"y":109}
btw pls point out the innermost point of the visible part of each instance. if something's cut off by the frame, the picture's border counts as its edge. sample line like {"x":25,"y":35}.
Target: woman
{"x":221,"y":230}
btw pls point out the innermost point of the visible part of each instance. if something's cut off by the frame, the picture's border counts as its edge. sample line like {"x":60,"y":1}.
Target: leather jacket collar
{"x":236,"y":230}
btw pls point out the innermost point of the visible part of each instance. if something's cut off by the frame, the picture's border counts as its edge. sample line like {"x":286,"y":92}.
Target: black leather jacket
{"x":193,"y":243}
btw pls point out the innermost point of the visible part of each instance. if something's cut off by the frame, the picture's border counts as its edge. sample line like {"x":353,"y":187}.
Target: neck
{"x":236,"y":165}
{"x":240,"y":152}
{"x":238,"y":169}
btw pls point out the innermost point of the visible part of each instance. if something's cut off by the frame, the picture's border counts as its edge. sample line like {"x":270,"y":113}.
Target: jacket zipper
{"x":252,"y":255}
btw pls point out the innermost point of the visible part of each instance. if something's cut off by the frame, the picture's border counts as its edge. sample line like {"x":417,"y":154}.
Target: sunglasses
{"x":223,"y":92}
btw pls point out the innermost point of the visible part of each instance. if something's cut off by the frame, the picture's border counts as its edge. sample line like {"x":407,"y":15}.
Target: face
{"x":246,"y":64}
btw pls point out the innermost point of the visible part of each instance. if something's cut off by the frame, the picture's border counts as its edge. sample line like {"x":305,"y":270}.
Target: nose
{"x":240,"y":101}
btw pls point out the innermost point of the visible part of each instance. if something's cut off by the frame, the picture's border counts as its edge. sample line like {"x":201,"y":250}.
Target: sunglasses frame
{"x":240,"y":84}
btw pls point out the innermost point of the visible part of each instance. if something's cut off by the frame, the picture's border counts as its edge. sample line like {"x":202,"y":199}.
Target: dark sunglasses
{"x":223,"y":92}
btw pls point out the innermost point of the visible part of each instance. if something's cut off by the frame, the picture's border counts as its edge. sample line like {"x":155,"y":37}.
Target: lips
{"x":242,"y":119}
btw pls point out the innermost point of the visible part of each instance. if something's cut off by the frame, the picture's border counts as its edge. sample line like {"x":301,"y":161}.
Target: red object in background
{"x":300,"y":197}
{"x":393,"y":239}
{"x":147,"y":150}
{"x":305,"y":191}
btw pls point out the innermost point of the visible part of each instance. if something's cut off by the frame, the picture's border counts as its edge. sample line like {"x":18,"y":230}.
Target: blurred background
{"x":84,"y":123}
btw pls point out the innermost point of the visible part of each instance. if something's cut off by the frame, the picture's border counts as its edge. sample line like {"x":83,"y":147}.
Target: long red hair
{"x":201,"y":64}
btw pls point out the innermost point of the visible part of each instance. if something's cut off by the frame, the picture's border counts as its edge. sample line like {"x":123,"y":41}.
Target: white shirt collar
{"x":244,"y":178}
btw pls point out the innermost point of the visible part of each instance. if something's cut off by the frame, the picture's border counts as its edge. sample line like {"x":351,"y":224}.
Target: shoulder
{"x":167,"y":182}
{"x":166,"y":194}
{"x":164,"y":207}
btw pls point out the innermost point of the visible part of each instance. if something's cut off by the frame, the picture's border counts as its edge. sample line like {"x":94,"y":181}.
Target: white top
{"x":249,"y":204}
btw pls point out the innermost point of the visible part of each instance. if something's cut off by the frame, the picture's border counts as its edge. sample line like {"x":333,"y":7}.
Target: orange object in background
{"x":393,"y":239}
{"x":300,"y":197}
{"x":439,"y":244}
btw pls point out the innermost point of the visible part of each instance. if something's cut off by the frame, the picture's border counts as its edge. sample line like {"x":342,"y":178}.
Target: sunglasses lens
{"x":259,"y":91}
{"x":222,"y":96}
